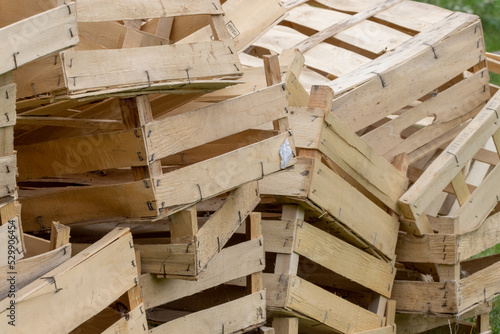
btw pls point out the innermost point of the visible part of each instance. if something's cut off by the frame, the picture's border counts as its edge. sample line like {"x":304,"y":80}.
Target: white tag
{"x":285,"y":154}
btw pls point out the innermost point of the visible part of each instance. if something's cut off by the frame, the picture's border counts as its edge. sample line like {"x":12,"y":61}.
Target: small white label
{"x":285,"y":154}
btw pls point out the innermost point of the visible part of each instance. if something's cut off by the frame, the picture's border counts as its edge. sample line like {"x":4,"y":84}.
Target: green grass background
{"x":489,"y":11}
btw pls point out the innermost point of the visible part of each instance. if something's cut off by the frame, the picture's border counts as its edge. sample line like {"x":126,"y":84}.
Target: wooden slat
{"x":281,"y":38}
{"x":168,"y":259}
{"x":343,"y":25}
{"x":8,"y":171}
{"x":98,"y":124}
{"x":481,"y":238}
{"x":344,"y":259}
{"x":219,"y":228}
{"x":379,"y":96}
{"x":424,"y":297}
{"x":345,"y":204}
{"x":96,"y":11}
{"x":13,"y":12}
{"x":414,"y":202}
{"x":279,"y":236}
{"x":179,"y":133}
{"x":223,"y":173}
{"x":479,"y":287}
{"x":29,"y":269}
{"x":387,"y":139}
{"x":245,"y":22}
{"x":429,"y":248}
{"x":81,"y":154}
{"x":8,"y":105}
{"x":329,"y":309}
{"x":480,"y":204}
{"x":91,"y":70}
{"x":353,"y":155}
{"x":38,"y":36}
{"x":88,"y":203}
{"x":110,"y":262}
{"x":230,"y":317}
{"x":231,"y":263}
{"x":13,"y":250}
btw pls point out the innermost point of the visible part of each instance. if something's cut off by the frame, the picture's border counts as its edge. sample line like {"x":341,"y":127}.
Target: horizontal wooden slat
{"x":450,"y":162}
{"x":379,"y":96}
{"x":37,"y":36}
{"x":70,"y":287}
{"x":82,"y":154}
{"x":115,"y":10}
{"x":353,"y":155}
{"x":98,"y":69}
{"x":329,"y":309}
{"x":480,"y":239}
{"x":182,"y":132}
{"x":171,"y":259}
{"x":425,"y":297}
{"x":358,"y":213}
{"x":344,"y":259}
{"x":76,"y":204}
{"x":279,"y":236}
{"x":231,"y":263}
{"x":429,"y":248}
{"x":236,"y":315}
{"x":68,"y":122}
{"x":479,"y":287}
{"x":223,"y":173}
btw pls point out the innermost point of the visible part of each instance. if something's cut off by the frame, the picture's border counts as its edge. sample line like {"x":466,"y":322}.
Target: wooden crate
{"x":212,"y":169}
{"x":210,"y":305}
{"x":454,"y":209}
{"x":376,"y":63}
{"x":69,"y":287}
{"x":324,"y":281}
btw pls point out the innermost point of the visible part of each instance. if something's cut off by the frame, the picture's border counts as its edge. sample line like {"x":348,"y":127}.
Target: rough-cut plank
{"x":69,"y":287}
{"x":231,"y":263}
{"x":217,"y":230}
{"x":394,"y":89}
{"x":479,"y":287}
{"x":361,"y":162}
{"x":279,"y":236}
{"x":463,"y":148}
{"x":182,"y":132}
{"x":168,"y":259}
{"x":329,"y":309}
{"x":112,"y":35}
{"x":341,"y":200}
{"x":91,"y":70}
{"x":231,"y":317}
{"x":77,"y":204}
{"x":8,"y":105}
{"x":425,"y":297}
{"x":37,"y":36}
{"x":8,"y":171}
{"x":82,"y":154}
{"x":344,"y":259}
{"x":115,"y":10}
{"x":29,"y":269}
{"x":429,"y":248}
{"x":245,"y":21}
{"x":220,"y":174}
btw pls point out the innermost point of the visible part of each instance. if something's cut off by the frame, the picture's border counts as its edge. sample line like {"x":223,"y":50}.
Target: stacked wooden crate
{"x":401,"y":98}
{"x":253,"y":194}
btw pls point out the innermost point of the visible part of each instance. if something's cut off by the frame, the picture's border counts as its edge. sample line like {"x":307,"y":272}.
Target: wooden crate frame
{"x":319,"y":310}
{"x":239,"y":264}
{"x":328,"y":154}
{"x":387,"y":124}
